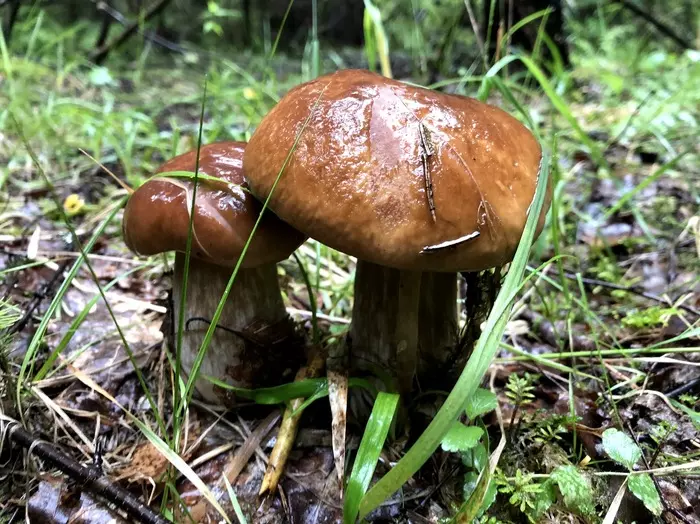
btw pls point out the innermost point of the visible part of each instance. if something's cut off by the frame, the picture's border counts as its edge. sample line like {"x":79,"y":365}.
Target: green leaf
{"x":310,"y":387}
{"x":368,"y":453}
{"x":477,"y":365}
{"x":574,"y":488}
{"x":476,"y":458}
{"x":692,"y":414}
{"x":461,"y":437}
{"x":621,"y":448}
{"x":643,"y":488}
{"x":480,"y":493}
{"x":481,"y":402}
{"x":234,"y":502}
{"x":544,"y":498}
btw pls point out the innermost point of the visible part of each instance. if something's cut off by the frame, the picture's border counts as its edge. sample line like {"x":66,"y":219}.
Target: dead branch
{"x":98,"y":56}
{"x":660,"y":26}
{"x":631,"y":289}
{"x":89,"y":479}
{"x":38,"y":298}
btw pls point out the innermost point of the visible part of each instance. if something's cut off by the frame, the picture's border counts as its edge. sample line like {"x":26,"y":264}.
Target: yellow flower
{"x":73,"y":204}
{"x":249,"y":93}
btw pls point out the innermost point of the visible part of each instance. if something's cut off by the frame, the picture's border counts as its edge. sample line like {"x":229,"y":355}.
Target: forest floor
{"x":607,"y":337}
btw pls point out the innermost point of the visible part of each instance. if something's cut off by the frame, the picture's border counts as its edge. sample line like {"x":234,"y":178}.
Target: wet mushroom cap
{"x":157,"y":215}
{"x":356,"y":180}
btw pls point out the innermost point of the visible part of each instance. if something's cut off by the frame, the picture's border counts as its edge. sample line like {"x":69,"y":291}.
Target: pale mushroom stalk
{"x":233,"y":355}
{"x":384,"y":332}
{"x":246,"y":349}
{"x":419,"y":340}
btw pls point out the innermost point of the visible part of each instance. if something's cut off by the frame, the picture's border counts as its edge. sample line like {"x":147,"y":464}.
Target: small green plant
{"x":215,"y":15}
{"x":688,"y":399}
{"x":519,"y":389}
{"x":623,"y":450}
{"x":565,"y":486}
{"x":479,"y":489}
{"x":552,"y":427}
{"x":519,"y":392}
{"x":524,"y":493}
{"x":649,"y":317}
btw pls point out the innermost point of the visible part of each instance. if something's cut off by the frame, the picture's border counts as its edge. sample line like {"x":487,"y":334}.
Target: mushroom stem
{"x":385,"y":320}
{"x":438,"y":328}
{"x":241,"y":353}
{"x":405,"y":324}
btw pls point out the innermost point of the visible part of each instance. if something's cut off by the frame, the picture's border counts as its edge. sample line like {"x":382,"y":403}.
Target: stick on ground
{"x":88,"y":478}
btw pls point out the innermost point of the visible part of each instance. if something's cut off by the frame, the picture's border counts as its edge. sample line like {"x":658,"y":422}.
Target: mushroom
{"x":157,"y":220}
{"x":418,"y":185}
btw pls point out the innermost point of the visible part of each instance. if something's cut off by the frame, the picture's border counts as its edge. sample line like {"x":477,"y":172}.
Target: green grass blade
{"x":368,"y":453}
{"x":645,"y":183}
{"x":373,"y":24}
{"x":182,"y":466}
{"x":181,"y":395}
{"x":315,"y":45}
{"x":558,"y":103}
{"x":315,"y":332}
{"x":234,"y":502}
{"x":286,"y":392}
{"x":77,"y":322}
{"x":30,"y":355}
{"x":476,"y":367}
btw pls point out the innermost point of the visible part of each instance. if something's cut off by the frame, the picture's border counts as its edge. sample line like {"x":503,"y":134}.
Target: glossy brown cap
{"x":157,"y":215}
{"x":356,"y":180}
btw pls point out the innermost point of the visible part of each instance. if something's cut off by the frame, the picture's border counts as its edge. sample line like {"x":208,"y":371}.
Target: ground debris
{"x":58,"y":502}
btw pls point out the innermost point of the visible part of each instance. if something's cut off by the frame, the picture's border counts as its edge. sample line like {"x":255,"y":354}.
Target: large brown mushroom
{"x":157,"y":219}
{"x":417,"y":184}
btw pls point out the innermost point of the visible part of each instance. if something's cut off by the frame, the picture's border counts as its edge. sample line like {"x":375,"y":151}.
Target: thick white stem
{"x":438,"y":329}
{"x":254,"y":308}
{"x":384,"y":331}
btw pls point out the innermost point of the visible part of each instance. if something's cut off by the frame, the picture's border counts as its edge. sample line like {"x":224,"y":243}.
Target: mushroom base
{"x":383,"y":337}
{"x":251,"y":347}
{"x":405,"y":325}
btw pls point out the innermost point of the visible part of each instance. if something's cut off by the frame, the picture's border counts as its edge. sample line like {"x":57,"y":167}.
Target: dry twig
{"x":90,"y":479}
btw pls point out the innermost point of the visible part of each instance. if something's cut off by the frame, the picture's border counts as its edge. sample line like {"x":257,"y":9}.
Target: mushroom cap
{"x":356,"y":181}
{"x":157,"y":215}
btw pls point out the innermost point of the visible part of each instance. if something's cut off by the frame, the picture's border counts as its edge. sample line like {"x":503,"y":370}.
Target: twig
{"x":660,"y":26}
{"x":427,"y":150}
{"x":631,"y":289}
{"x":38,"y":298}
{"x":477,"y":32}
{"x":147,"y":34}
{"x":289,"y":427}
{"x":683,"y":389}
{"x":90,"y":479}
{"x":548,"y":332}
{"x":106,"y":24}
{"x":99,"y":55}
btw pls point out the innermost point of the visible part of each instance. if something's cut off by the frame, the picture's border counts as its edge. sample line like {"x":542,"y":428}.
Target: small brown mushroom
{"x":157,"y":219}
{"x":417,"y":184}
